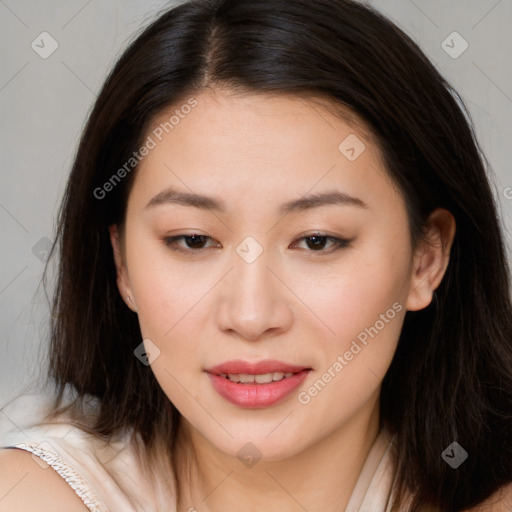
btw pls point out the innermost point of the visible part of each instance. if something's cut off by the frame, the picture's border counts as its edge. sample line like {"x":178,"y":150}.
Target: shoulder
{"x":500,"y":501}
{"x":63,"y":458}
{"x":26,"y":483}
{"x":44,"y":465}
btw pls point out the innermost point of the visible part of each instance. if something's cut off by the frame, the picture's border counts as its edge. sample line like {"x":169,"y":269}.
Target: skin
{"x":293,"y":303}
{"x":32,"y":487}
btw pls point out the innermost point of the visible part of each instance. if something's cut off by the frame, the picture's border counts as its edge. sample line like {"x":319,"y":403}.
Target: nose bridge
{"x":252,"y":300}
{"x":252,"y":287}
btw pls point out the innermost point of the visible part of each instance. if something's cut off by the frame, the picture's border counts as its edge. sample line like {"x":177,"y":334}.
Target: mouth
{"x":256,"y":385}
{"x":262,"y":378}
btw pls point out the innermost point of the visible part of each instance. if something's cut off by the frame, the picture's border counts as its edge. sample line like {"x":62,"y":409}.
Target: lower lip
{"x":257,"y":396}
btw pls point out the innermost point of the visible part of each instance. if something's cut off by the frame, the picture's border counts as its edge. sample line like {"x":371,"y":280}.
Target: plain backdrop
{"x":44,"y":103}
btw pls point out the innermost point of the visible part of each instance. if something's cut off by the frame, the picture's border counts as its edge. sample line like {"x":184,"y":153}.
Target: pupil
{"x":318,"y":241}
{"x":197,"y":241}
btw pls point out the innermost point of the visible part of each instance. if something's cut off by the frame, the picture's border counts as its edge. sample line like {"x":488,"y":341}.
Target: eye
{"x":317,"y":242}
{"x":193,"y":242}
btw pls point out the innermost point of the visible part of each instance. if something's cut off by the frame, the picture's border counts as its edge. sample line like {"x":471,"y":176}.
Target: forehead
{"x":271,"y":145}
{"x":246,"y":111}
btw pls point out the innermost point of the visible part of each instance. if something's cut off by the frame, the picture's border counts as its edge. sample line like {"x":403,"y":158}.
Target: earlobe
{"x":431,"y":259}
{"x":123,"y":284}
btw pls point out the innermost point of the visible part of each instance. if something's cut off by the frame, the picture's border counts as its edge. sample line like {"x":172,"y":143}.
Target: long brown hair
{"x":450,"y":379}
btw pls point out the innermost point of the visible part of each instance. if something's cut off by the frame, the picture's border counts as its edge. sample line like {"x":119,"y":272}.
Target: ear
{"x":123,"y":282}
{"x":431,"y":259}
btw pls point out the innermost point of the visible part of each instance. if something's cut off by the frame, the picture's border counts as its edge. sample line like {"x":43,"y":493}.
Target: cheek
{"x":351,"y":295}
{"x":354,"y":363}
{"x":363,"y":303}
{"x":165,"y":292}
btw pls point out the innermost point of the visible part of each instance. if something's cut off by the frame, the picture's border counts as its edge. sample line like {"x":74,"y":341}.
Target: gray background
{"x":44,"y":103}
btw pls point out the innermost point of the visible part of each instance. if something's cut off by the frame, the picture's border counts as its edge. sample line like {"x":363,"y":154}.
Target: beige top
{"x":108,"y":477}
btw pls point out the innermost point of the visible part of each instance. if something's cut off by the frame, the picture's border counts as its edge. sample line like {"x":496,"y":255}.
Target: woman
{"x":282,"y":283}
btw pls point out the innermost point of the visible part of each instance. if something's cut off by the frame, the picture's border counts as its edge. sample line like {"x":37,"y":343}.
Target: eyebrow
{"x":173,"y":196}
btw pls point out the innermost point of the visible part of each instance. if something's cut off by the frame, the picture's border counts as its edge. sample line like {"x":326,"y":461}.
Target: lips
{"x":256,"y":385}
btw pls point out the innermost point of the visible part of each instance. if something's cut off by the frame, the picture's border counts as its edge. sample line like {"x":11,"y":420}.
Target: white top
{"x":108,"y":478}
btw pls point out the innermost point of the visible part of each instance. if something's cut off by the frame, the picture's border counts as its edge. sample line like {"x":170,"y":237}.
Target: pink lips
{"x":254,"y":395}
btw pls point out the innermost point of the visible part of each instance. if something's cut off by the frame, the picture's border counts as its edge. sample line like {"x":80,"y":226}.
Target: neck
{"x":320,"y":477}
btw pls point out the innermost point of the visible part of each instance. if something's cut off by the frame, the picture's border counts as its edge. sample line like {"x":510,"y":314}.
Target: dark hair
{"x":450,"y":378}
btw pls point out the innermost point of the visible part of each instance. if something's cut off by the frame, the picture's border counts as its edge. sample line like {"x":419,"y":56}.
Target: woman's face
{"x":230,"y":256}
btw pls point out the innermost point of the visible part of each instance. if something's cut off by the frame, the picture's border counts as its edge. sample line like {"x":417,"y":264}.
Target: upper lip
{"x":259,"y":368}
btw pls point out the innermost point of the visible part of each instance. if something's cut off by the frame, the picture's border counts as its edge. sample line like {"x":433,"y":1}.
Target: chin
{"x":277,"y":446}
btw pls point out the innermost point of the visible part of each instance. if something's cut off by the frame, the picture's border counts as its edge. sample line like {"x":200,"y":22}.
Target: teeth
{"x":264,"y":378}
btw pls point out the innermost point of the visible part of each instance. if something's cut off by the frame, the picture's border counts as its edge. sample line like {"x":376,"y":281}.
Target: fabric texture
{"x":108,"y":477}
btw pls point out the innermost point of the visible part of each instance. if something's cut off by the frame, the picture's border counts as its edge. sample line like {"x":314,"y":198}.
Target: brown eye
{"x":316,"y":242}
{"x":193,"y":242}
{"x":319,"y":242}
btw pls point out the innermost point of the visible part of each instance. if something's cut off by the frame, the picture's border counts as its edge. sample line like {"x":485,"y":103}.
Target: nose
{"x":252,"y":303}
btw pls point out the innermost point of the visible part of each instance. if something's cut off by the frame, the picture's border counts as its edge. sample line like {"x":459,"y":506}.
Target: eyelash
{"x":339,"y":243}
